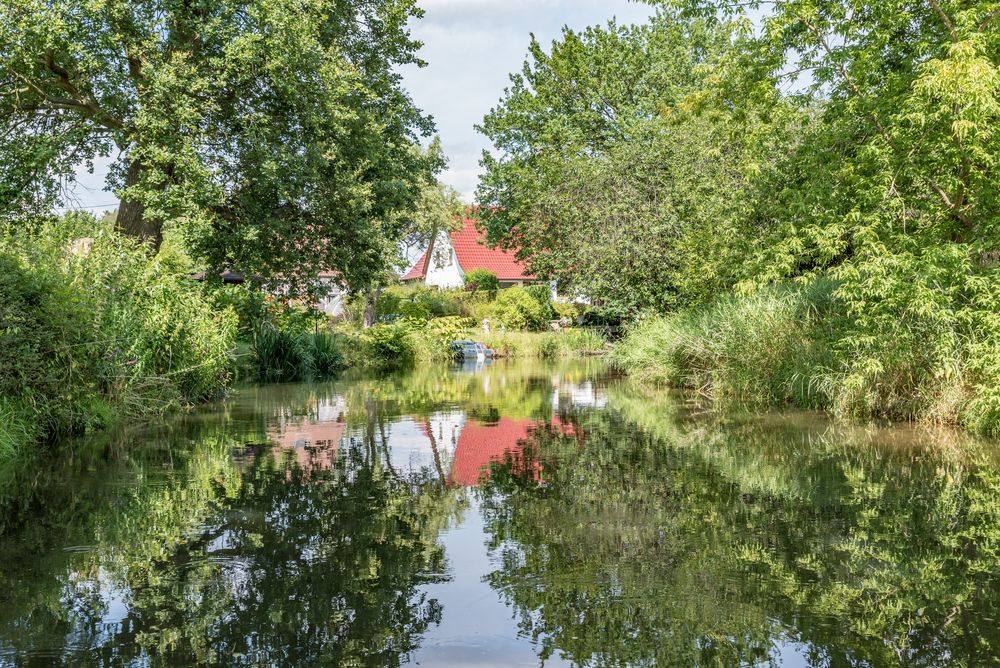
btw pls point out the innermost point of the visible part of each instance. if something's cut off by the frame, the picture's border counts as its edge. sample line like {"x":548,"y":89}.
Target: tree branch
{"x":944,"y":19}
{"x":952,"y":207}
{"x":989,"y":18}
{"x":79,"y":98}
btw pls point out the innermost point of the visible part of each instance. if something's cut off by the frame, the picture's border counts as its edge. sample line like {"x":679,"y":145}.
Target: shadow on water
{"x":513,"y":514}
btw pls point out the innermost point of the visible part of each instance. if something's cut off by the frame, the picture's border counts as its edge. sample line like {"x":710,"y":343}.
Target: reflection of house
{"x":472,"y":446}
{"x":580,"y":395}
{"x":453,"y":254}
{"x":315,"y":439}
{"x":480,"y":444}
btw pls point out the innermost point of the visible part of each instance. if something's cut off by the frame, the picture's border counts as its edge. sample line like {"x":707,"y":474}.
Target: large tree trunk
{"x":370,"y":304}
{"x":132,"y":220}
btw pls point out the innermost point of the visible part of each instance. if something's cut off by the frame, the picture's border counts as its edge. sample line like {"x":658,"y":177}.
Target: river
{"x":518,"y":514}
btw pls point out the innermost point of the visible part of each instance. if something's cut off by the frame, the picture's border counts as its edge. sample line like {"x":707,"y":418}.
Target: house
{"x":330,"y":297}
{"x":453,"y":254}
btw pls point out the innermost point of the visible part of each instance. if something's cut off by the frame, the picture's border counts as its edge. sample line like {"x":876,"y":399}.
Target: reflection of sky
{"x":477,"y":628}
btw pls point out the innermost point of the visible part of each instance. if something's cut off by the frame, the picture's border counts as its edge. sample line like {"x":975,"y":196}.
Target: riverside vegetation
{"x":795,"y":202}
{"x":272,"y":138}
{"x":96,"y":328}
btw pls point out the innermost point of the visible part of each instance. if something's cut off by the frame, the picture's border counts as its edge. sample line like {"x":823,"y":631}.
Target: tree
{"x":436,"y":209}
{"x":274,"y":134}
{"x":892,"y":190}
{"x":618,"y":172}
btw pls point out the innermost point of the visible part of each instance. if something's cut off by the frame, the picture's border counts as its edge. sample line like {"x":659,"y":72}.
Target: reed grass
{"x":545,"y":345}
{"x":786,"y":346}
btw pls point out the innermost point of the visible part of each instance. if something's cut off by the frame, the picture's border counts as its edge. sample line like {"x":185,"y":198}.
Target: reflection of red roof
{"x":472,"y":253}
{"x":481,"y":444}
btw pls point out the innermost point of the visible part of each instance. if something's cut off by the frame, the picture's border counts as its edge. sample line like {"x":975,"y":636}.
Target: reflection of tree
{"x":210,"y":558}
{"x":324,"y":573}
{"x":697,"y":543}
{"x":521,"y":391}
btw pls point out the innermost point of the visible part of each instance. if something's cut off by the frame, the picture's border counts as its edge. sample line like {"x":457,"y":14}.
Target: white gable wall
{"x":443,"y":270}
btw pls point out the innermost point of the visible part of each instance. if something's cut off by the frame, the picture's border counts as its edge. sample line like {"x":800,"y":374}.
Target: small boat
{"x":471,"y":350}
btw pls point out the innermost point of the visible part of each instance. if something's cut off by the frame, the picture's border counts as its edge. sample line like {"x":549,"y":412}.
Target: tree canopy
{"x":615,"y":173}
{"x":727,"y":146}
{"x":274,"y":135}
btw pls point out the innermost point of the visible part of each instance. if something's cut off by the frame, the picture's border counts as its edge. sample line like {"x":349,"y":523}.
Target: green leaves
{"x":618,"y":167}
{"x":275,"y":135}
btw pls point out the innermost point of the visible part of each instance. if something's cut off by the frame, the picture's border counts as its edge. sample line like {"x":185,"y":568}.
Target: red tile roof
{"x":472,"y":252}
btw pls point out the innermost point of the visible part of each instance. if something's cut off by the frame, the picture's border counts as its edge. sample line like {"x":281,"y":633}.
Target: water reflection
{"x":671,"y":540}
{"x":500,"y":515}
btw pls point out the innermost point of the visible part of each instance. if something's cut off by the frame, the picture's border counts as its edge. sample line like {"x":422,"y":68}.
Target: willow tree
{"x":274,"y":134}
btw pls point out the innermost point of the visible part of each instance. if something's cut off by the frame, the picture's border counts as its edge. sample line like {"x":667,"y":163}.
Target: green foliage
{"x":278,"y":354}
{"x":732,"y":147}
{"x":770,"y":347}
{"x":615,"y":175}
{"x":542,"y":294}
{"x":797,"y":346}
{"x":161,"y":499}
{"x":97,"y":327}
{"x":325,"y":357}
{"x":390,"y":346}
{"x":419,"y":302}
{"x":707,"y":540}
{"x":549,"y":347}
{"x":450,"y":328}
{"x":528,"y":345}
{"x":437,"y":210}
{"x":583,"y":341}
{"x":481,"y":280}
{"x":517,"y":309}
{"x":275,"y":135}
{"x":285,"y":354}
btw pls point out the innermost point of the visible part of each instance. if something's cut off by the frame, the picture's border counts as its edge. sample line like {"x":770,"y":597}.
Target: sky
{"x":471,"y":47}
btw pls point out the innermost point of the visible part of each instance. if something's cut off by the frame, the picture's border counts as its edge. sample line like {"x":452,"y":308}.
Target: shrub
{"x":291,"y":354}
{"x":797,"y":345}
{"x":450,"y":328}
{"x":325,"y":358}
{"x":390,"y":346}
{"x":92,"y":330}
{"x":420,"y":302}
{"x":515,"y":308}
{"x":481,"y":280}
{"x":550,"y":346}
{"x":542,"y":294}
{"x":765,"y":347}
{"x":432,"y":338}
{"x":278,"y":354}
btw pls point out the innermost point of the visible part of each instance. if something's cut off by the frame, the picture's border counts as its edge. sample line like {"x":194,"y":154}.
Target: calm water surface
{"x":519,"y":515}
